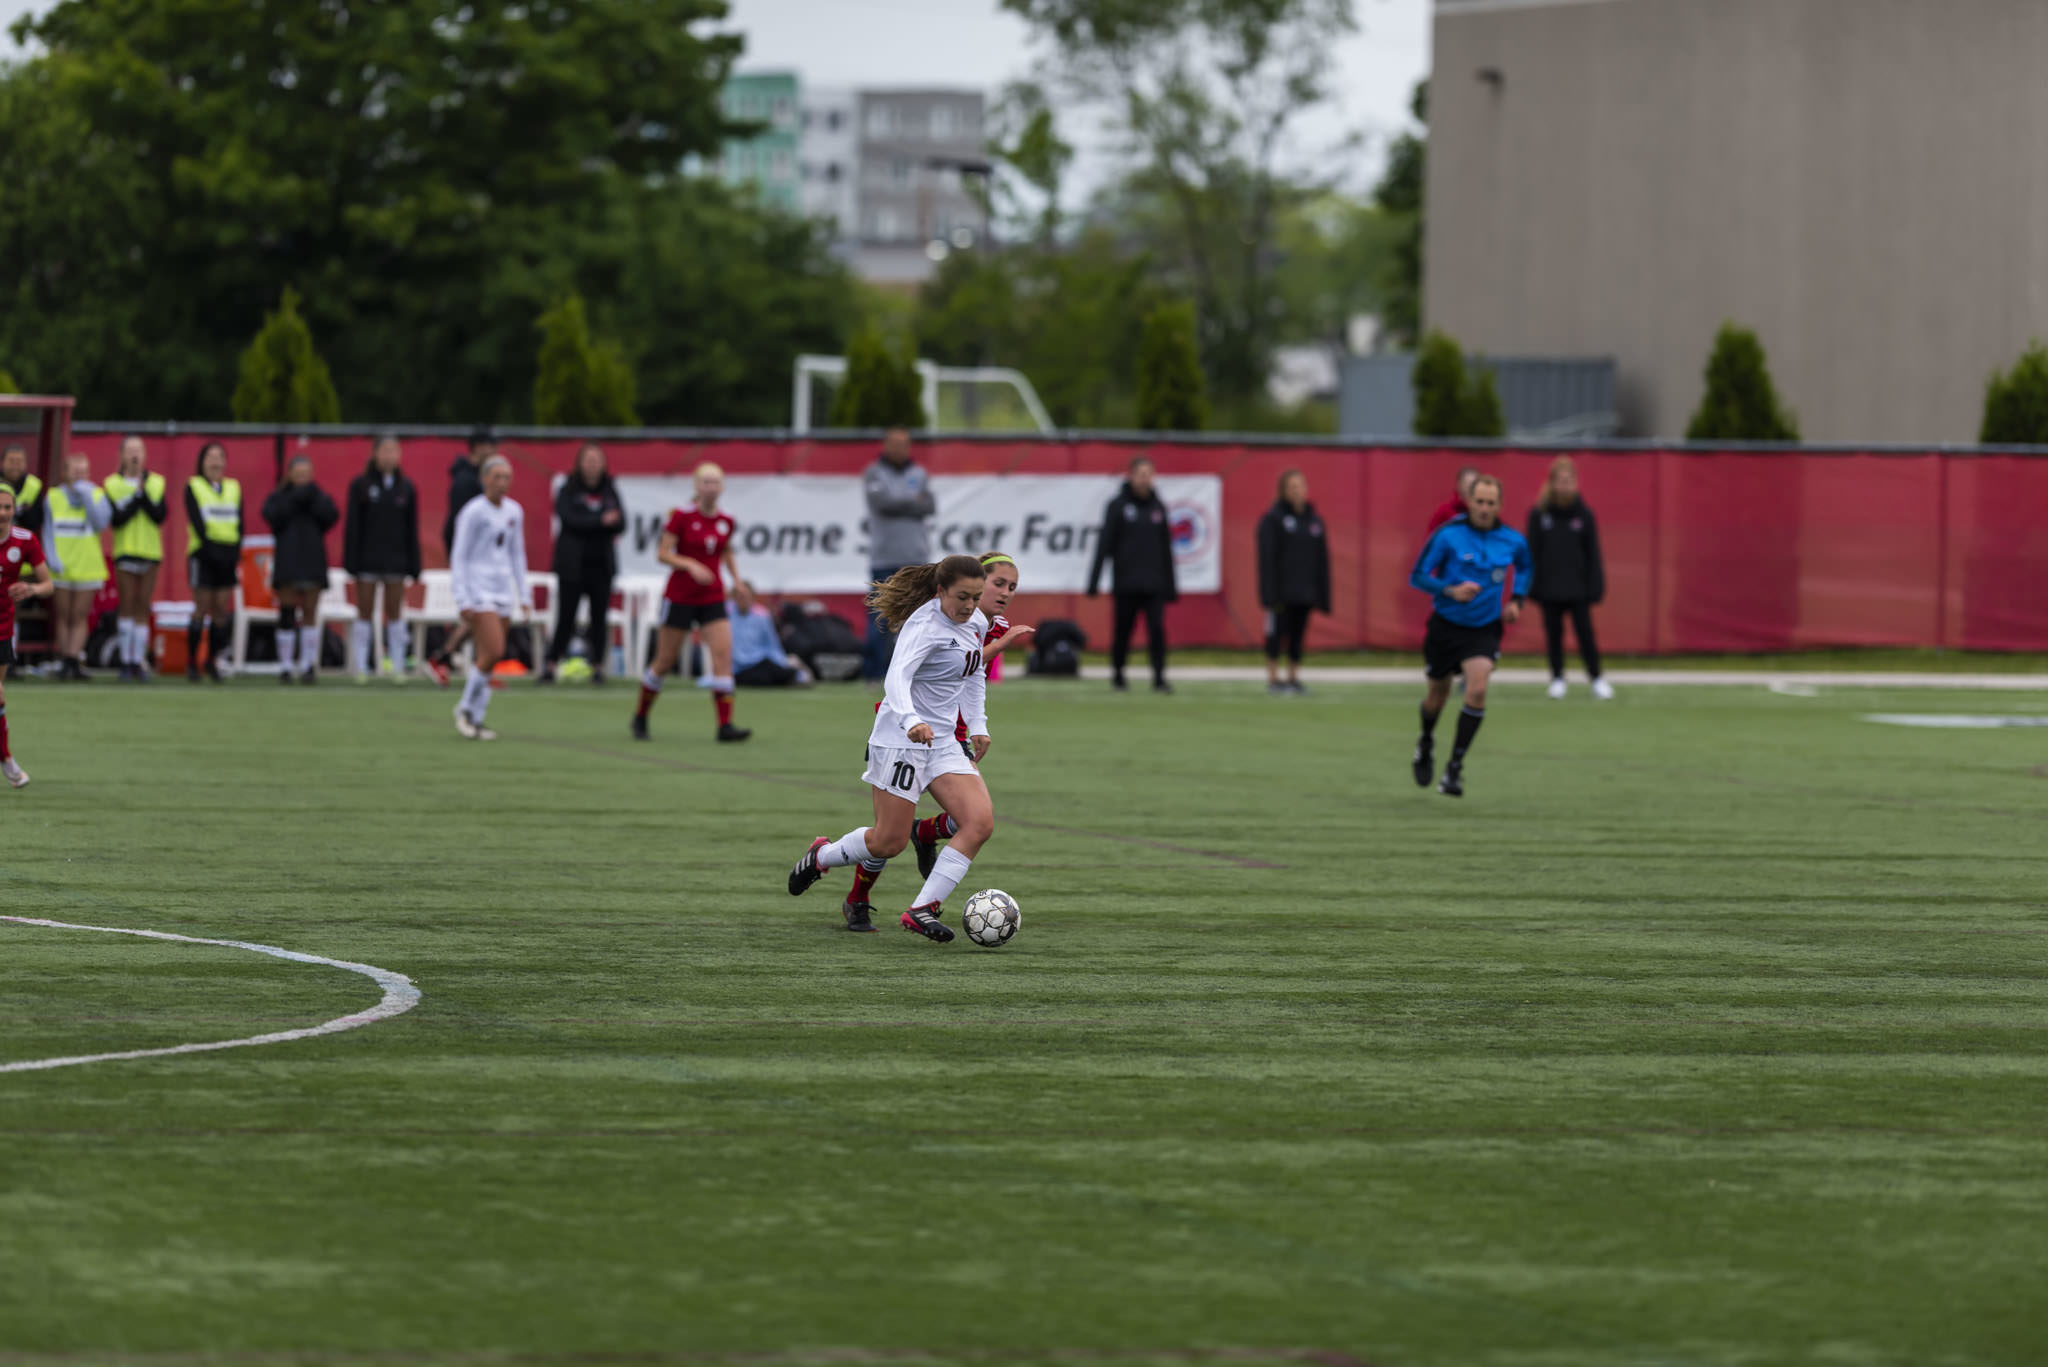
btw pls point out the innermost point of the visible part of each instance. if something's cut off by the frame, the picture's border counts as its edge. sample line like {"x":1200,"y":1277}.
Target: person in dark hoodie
{"x":381,"y":552}
{"x":1137,"y":544}
{"x":1294,"y":577}
{"x":586,"y":557}
{"x":465,"y":482}
{"x":300,"y":515}
{"x":1564,"y":544}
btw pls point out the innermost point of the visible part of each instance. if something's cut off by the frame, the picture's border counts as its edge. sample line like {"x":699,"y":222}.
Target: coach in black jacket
{"x":1137,"y":543}
{"x":1564,"y":547}
{"x":1294,"y":577}
{"x":586,"y":556}
{"x":380,"y":549}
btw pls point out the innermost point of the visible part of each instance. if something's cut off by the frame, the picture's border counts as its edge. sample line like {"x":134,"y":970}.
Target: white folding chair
{"x":546,"y":587}
{"x":640,"y":598}
{"x":245,"y":617}
{"x":437,"y":608}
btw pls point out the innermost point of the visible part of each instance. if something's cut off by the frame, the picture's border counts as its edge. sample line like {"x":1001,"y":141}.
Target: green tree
{"x":1740,"y":403}
{"x":2016,"y":402}
{"x":881,"y":388}
{"x":1172,"y":395}
{"x":1451,"y":398}
{"x":283,"y":378}
{"x":1399,"y":197}
{"x":1203,"y":92}
{"x":1336,"y":254}
{"x":433,"y":178}
{"x":580,"y":382}
{"x":7,"y":384}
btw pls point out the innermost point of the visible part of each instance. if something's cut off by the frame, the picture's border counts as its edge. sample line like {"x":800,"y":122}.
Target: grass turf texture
{"x":1707,"y":1029}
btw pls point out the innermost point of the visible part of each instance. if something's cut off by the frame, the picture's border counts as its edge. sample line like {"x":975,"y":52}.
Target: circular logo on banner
{"x":1190,"y":531}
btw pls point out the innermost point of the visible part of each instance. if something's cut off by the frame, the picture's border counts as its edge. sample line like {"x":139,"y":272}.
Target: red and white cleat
{"x":925,"y":921}
{"x":436,"y":671}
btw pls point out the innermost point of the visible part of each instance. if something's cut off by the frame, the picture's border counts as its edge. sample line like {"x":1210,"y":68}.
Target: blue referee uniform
{"x":1497,"y":560}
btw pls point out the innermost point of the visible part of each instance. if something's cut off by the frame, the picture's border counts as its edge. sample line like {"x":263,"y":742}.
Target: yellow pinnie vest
{"x":76,"y":543}
{"x":220,"y":509}
{"x":138,"y":537}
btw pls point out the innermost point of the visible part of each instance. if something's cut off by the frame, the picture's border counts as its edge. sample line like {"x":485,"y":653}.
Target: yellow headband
{"x":997,"y":558}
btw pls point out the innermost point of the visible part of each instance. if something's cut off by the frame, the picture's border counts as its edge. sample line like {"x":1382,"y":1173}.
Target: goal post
{"x":956,"y":398}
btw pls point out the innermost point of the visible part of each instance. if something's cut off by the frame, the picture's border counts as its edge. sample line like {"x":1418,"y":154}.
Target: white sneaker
{"x":1603,"y":690}
{"x":486,"y":733}
{"x":1556,"y":689}
{"x":464,"y":727}
{"x":16,"y":775}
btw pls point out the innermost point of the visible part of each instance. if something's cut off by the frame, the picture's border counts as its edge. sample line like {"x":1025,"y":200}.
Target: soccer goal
{"x":956,"y":398}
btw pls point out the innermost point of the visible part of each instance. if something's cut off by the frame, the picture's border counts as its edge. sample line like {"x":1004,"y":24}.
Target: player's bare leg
{"x":717,"y":639}
{"x":858,"y":848}
{"x":668,"y":648}
{"x":966,"y":800}
{"x":13,"y":772}
{"x":489,"y":631}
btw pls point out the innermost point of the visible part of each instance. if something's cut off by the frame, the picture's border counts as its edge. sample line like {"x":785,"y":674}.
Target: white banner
{"x":808,"y":533}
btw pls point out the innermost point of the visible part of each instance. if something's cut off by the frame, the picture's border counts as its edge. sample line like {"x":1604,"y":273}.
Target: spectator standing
{"x":300,"y":515}
{"x":1564,"y":543}
{"x":1137,"y":544}
{"x":213,"y":558}
{"x":899,"y":495}
{"x":1294,"y":577}
{"x":586,"y":557}
{"x":79,"y":512}
{"x":1456,"y":505}
{"x":136,"y":494}
{"x":758,"y":659}
{"x":465,"y":482}
{"x":28,"y":490}
{"x":380,"y":550}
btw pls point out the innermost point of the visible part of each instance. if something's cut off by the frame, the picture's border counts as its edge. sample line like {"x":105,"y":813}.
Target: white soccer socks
{"x":850,"y":848}
{"x":946,"y":875}
{"x":360,"y":633}
{"x":396,"y":644}
{"x":476,"y":694}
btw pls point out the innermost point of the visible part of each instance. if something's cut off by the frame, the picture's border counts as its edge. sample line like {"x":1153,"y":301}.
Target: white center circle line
{"x":400,"y":996}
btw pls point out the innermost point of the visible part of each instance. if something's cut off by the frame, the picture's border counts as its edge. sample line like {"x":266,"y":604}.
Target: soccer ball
{"x":992,"y":917}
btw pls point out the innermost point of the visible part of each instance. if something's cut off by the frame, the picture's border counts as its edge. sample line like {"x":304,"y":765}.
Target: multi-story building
{"x":1864,"y":184}
{"x":768,"y":160}
{"x":919,"y":153}
{"x":828,"y":157}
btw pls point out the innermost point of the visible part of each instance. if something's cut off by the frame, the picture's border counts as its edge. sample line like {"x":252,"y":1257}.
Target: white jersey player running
{"x":934,"y":679}
{"x":487,"y":561}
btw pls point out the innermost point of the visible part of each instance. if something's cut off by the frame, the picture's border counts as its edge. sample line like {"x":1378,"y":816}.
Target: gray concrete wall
{"x":1864,"y":182}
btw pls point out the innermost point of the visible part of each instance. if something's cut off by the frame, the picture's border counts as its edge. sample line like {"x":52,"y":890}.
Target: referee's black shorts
{"x":1446,"y":645}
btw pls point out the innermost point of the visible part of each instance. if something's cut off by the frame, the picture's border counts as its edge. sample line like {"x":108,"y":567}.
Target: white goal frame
{"x":930,"y":374}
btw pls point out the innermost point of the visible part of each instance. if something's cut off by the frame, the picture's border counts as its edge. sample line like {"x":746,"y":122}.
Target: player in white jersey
{"x":487,"y":561}
{"x":934,"y":678}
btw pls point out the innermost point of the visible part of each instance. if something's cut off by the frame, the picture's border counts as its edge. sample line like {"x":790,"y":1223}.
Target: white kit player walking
{"x":487,"y":561}
{"x":935,"y":678}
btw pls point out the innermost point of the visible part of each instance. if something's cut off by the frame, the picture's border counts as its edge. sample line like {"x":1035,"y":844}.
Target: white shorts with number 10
{"x":908,"y":771}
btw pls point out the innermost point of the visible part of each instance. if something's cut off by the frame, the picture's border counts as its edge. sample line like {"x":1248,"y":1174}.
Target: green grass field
{"x":1710,"y":1028}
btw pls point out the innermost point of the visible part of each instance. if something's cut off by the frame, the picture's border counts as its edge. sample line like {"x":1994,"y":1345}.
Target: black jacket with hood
{"x":1137,"y":544}
{"x":1564,"y":548}
{"x":300,"y":516}
{"x":586,"y":548}
{"x":382,"y":536}
{"x":1294,"y":559}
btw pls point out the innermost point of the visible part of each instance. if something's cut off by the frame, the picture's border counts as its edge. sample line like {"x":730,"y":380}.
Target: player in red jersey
{"x":695,"y":545}
{"x":23,"y":575}
{"x":998,"y":588}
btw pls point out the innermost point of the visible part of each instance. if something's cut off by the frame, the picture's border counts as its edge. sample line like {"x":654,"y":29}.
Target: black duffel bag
{"x":822,"y":640}
{"x":1056,"y":650}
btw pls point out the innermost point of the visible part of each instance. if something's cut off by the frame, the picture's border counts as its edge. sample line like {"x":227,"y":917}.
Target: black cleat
{"x":1425,"y":762}
{"x":856,"y":914}
{"x":927,"y":853}
{"x":731,"y":732}
{"x":807,"y":870}
{"x":1451,"y":785}
{"x":639,"y":727}
{"x":925,"y":921}
{"x":191,"y":673}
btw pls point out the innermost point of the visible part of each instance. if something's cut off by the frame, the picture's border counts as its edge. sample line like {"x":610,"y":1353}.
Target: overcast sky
{"x":971,"y":43}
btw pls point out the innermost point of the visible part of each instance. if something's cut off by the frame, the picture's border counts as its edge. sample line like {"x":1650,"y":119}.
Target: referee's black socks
{"x":1429,"y":721}
{"x":1468,"y":726}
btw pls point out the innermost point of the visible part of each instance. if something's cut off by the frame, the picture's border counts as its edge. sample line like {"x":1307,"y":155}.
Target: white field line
{"x":400,"y":996}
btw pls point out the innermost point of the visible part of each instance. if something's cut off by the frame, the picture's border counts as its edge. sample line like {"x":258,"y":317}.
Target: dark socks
{"x":193,"y":631}
{"x":1468,"y":727}
{"x":1429,"y":721}
{"x":219,"y":636}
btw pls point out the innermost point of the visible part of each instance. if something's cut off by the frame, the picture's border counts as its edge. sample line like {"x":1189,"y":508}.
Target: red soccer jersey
{"x":994,"y":633}
{"x":18,"y":563}
{"x":704,"y":540}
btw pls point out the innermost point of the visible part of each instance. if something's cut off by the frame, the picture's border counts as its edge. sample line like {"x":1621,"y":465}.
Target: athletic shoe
{"x":1557,"y":688}
{"x":807,"y":870}
{"x":639,"y":727}
{"x":1451,"y":784}
{"x":1603,"y":690}
{"x":857,"y":917}
{"x":597,"y":678}
{"x":15,"y":774}
{"x":925,"y":921}
{"x":1278,"y":689}
{"x":437,"y":671}
{"x":927,"y":852}
{"x":360,"y":679}
{"x":1119,"y":685}
{"x":731,"y":732}
{"x":1298,"y":688}
{"x":1425,"y":762}
{"x":547,"y":673}
{"x":191,"y":673}
{"x":485,"y":733}
{"x":1162,"y":687}
{"x":309,"y":677}
{"x":284,"y":676}
{"x":464,"y":727}
{"x":213,"y":671}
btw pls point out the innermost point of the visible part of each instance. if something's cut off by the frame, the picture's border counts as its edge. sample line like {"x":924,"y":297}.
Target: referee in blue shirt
{"x":1478,"y":572}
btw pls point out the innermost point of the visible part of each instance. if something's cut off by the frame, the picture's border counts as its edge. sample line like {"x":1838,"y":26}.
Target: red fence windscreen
{"x":1705,"y":550}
